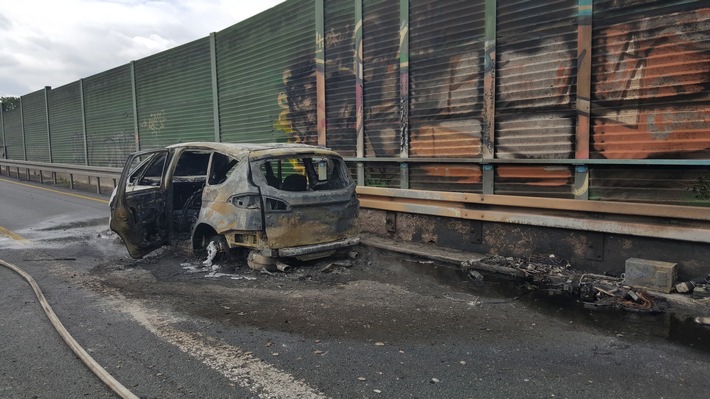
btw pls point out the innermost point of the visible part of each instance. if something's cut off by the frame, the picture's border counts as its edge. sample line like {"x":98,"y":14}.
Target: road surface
{"x":382,"y":326}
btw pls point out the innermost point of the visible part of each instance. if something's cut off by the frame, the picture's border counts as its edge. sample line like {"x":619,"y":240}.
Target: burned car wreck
{"x":275,"y":200}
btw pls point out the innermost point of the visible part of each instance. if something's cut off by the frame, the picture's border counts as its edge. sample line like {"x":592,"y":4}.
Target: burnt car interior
{"x":189,"y":178}
{"x":303,"y":174}
{"x":188,"y":181}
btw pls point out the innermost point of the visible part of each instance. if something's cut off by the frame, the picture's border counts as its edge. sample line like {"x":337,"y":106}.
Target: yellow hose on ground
{"x":100,"y":372}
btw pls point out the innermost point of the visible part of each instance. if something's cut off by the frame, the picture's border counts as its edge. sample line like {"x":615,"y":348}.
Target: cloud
{"x":52,"y":43}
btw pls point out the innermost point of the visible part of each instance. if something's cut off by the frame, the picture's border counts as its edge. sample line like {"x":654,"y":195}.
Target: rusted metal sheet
{"x":536,"y":74}
{"x":446,"y":41}
{"x":445,"y":177}
{"x":380,"y":45}
{"x":660,"y":185}
{"x":340,"y":76}
{"x":35,"y":124}
{"x":650,"y":79}
{"x":535,"y":181}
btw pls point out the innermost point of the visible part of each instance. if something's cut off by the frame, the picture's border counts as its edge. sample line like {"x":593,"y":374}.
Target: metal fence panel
{"x":555,"y":181}
{"x":66,"y":125}
{"x":174,"y":96}
{"x":535,"y":85}
{"x":13,"y":134}
{"x":446,"y":43}
{"x":108,"y":99}
{"x":465,"y":178}
{"x":380,"y":44}
{"x":650,"y":79}
{"x":267,"y":84}
{"x":35,"y":122}
{"x":340,"y":76}
{"x":657,"y":184}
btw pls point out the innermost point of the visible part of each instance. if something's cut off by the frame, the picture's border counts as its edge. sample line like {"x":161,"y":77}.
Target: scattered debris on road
{"x":555,"y":276}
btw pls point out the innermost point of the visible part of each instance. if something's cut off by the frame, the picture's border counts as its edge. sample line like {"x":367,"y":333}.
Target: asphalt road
{"x":385,"y":326}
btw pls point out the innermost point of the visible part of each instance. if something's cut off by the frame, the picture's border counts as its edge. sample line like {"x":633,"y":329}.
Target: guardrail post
{"x":360,"y":174}
{"x":71,"y":181}
{"x":98,"y":185}
{"x":488,"y":178}
{"x":404,"y":176}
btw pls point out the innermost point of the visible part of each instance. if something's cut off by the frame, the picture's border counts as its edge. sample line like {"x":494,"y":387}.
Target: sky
{"x":55,"y":42}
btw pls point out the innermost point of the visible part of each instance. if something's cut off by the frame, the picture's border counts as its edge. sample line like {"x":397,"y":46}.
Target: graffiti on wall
{"x":153,"y":125}
{"x":644,"y":70}
{"x":111,"y":151}
{"x":297,"y":119}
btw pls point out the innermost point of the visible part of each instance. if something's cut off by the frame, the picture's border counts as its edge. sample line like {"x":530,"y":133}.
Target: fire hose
{"x":95,"y":367}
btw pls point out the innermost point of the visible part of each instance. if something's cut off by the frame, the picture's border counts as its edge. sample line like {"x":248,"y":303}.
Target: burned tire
{"x":201,"y":240}
{"x":219,"y":243}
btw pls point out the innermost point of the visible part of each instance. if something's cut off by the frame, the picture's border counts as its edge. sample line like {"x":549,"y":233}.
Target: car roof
{"x":254,"y":150}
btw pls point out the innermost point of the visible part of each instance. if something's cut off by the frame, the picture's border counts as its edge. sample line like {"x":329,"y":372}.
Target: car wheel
{"x":217,"y":248}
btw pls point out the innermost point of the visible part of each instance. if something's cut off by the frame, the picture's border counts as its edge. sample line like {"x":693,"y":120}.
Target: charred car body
{"x":279,"y":200}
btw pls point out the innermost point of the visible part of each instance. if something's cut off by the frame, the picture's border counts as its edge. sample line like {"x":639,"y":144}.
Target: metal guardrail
{"x":97,"y":172}
{"x":675,"y":222}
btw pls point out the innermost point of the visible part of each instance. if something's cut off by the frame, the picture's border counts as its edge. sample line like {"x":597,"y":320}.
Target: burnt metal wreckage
{"x":273,"y":200}
{"x":556,"y":277}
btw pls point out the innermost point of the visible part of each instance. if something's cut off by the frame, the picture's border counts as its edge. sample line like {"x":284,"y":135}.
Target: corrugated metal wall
{"x":174,"y":96}
{"x":537,"y":53}
{"x":13,"y":134}
{"x":66,"y":125}
{"x":446,"y":46}
{"x":380,"y":47}
{"x":650,"y":79}
{"x":446,"y":177}
{"x":266,"y":70}
{"x":340,"y":76}
{"x":108,"y":103}
{"x":481,"y":85}
{"x":35,"y":122}
{"x":657,"y":184}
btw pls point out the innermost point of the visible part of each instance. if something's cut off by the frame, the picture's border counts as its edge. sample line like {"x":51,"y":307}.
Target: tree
{"x":10,"y":103}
